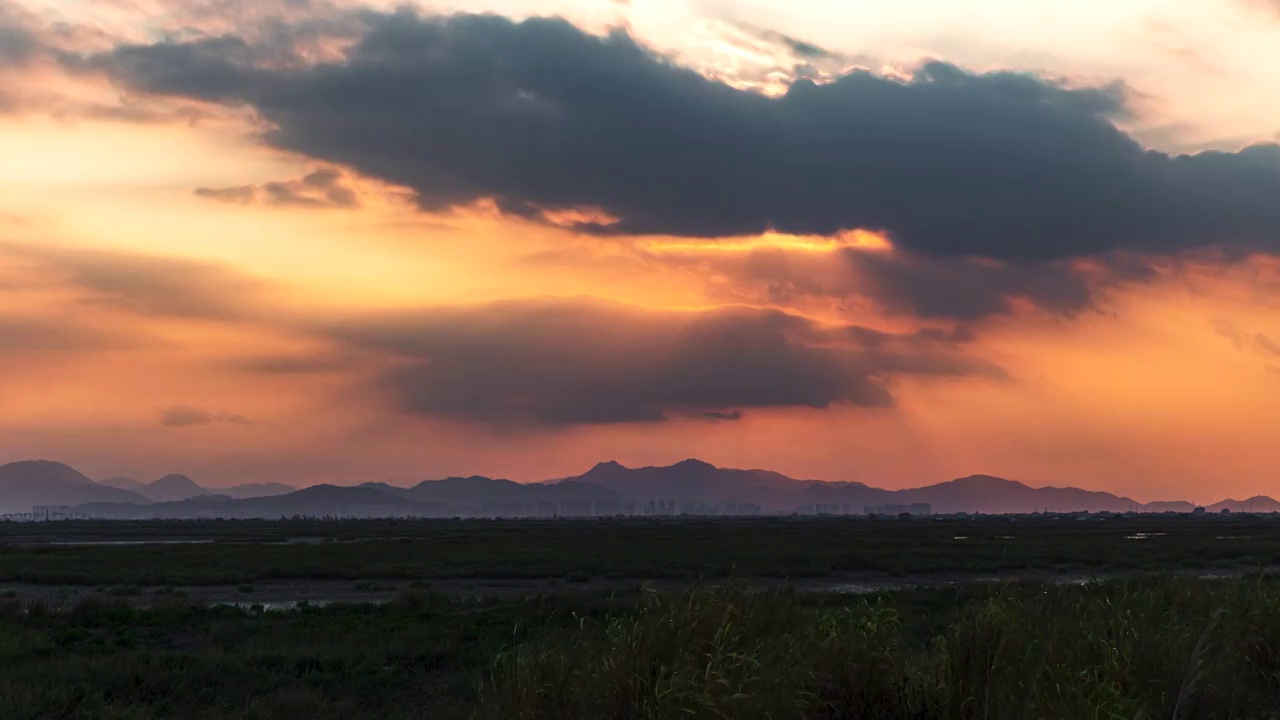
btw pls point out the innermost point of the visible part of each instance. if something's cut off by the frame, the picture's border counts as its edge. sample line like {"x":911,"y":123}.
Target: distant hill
{"x":322,"y":500}
{"x":609,"y":488}
{"x":987,"y":494}
{"x":172,"y":488}
{"x":124,"y":483}
{"x":315,"y":501}
{"x":1179,"y":506}
{"x":450,"y":497}
{"x":41,"y":482}
{"x":1256,"y":504}
{"x":694,"y":482}
{"x":477,"y":491}
{"x":254,"y":490}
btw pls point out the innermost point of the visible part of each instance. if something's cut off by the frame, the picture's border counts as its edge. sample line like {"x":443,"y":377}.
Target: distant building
{"x":899,"y":509}
{"x":51,"y":512}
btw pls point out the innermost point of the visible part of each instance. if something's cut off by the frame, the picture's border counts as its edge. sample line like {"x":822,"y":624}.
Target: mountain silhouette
{"x":172,"y":488}
{"x":1257,"y":504}
{"x":248,"y":491}
{"x":124,"y":483}
{"x":26,"y":484}
{"x":693,"y":482}
{"x":609,"y":488}
{"x":449,"y":497}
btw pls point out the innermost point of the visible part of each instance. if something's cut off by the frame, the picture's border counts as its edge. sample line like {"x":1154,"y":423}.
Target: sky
{"x":316,"y":241}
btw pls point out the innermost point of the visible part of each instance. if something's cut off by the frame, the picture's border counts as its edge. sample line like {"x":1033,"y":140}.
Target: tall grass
{"x":1167,"y":648}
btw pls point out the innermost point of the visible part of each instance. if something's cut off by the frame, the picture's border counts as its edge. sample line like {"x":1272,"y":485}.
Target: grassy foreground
{"x":1164,"y":648}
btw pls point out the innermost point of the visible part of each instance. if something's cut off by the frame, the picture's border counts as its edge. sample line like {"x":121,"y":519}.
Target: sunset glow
{"x":361,"y":248}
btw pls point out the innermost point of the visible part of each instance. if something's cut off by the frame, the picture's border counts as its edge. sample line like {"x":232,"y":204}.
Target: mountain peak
{"x":984,"y":480}
{"x":609,"y":465}
{"x":45,"y":470}
{"x":173,"y":487}
{"x":693,"y":464}
{"x":42,"y":482}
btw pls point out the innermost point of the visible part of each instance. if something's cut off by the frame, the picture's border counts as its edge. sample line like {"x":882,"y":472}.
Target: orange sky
{"x":148,"y":328}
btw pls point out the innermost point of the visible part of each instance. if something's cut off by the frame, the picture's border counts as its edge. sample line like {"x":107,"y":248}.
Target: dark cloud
{"x":802,"y":49}
{"x":147,"y":284}
{"x":583,"y":362}
{"x":184,"y":416}
{"x":322,"y":188}
{"x":722,"y":415}
{"x":17,"y":46}
{"x":952,"y":288}
{"x":966,"y":289}
{"x":540,"y":115}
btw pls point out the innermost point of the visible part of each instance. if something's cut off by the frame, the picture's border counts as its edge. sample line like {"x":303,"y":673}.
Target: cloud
{"x":320,"y":189}
{"x":1257,"y":342}
{"x":180,"y":416}
{"x":146,"y":284}
{"x":1224,"y":328}
{"x":40,"y":334}
{"x":963,"y":289}
{"x":800,"y":48}
{"x":538,"y":115}
{"x":17,"y":46}
{"x":294,"y":364}
{"x":968,"y":289}
{"x":581,"y":361}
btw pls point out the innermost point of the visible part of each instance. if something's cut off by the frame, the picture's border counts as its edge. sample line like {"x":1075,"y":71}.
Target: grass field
{"x":1158,"y":648}
{"x":237,"y":552}
{"x":710,"y":644}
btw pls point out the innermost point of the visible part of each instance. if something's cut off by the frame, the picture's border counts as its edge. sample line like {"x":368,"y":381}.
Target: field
{"x":739,"y":620}
{"x":1164,"y":647}
{"x":235,"y":552}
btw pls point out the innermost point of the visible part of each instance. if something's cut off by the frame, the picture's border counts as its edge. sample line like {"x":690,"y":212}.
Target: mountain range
{"x":174,"y":488}
{"x":26,"y":484}
{"x":606,"y":489}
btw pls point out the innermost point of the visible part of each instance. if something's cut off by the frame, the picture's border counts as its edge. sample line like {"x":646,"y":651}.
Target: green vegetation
{"x":418,"y":657}
{"x":238,"y":552}
{"x":1165,"y":649}
{"x":1157,"y":648}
